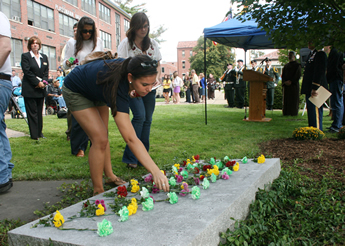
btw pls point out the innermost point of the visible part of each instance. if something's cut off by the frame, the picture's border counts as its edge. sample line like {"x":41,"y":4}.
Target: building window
{"x":117,"y":30}
{"x":11,"y":8}
{"x":191,"y":53}
{"x":126,"y":25}
{"x":183,"y":54}
{"x":104,"y":13}
{"x":183,"y":64}
{"x":74,"y":2}
{"x":162,"y":69}
{"x":66,"y":25}
{"x":106,"y":37}
{"x":50,"y":52}
{"x":40,"y":16}
{"x":89,"y":6}
{"x":16,"y":53}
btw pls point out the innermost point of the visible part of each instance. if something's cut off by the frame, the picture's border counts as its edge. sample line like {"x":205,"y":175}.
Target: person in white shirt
{"x":5,"y":94}
{"x":138,"y":42}
{"x":177,"y":87}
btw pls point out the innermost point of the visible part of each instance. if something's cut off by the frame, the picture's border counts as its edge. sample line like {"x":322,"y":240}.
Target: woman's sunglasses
{"x":87,"y":31}
{"x":149,"y":64}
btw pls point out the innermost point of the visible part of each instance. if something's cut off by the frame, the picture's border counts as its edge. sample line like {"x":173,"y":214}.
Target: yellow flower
{"x":58,"y":219}
{"x":215,"y":167}
{"x":216,"y":171}
{"x":134,"y":200}
{"x":209,"y":171}
{"x":261,"y":159}
{"x":162,"y":172}
{"x":130,"y":208}
{"x":177,"y":166}
{"x":135,"y":188}
{"x":134,"y":182}
{"x":236,"y":167}
{"x":176,"y":173}
{"x":100,"y":210}
{"x":182,"y":187}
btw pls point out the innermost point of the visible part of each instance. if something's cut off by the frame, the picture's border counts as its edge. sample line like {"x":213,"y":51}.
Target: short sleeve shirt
{"x":5,"y":30}
{"x":82,"y":79}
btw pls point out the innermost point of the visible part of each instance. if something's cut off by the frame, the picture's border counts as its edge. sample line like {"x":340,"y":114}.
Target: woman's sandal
{"x":131,"y":166}
{"x":117,"y":182}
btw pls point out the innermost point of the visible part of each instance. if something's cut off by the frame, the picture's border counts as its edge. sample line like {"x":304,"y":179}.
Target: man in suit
{"x":273,"y":73}
{"x":314,"y":77}
{"x":240,"y":85}
{"x":5,"y":94}
{"x":334,"y":76}
{"x":229,"y":77}
{"x":35,"y":67}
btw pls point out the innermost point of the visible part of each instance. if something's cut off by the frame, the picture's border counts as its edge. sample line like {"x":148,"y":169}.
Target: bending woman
{"x":90,"y":89}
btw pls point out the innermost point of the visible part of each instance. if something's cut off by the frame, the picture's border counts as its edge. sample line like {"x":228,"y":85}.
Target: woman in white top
{"x":85,"y":42}
{"x":138,"y":42}
{"x":177,"y":87}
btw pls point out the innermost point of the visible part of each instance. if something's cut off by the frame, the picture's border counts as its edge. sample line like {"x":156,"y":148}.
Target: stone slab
{"x":189,"y":222}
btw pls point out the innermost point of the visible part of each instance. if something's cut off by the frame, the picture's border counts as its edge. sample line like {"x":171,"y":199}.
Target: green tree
{"x":295,"y":22}
{"x":217,"y":56}
{"x":125,"y":5}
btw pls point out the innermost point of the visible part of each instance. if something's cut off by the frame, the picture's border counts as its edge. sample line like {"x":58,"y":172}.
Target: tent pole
{"x":245,"y":89}
{"x":205,"y":80}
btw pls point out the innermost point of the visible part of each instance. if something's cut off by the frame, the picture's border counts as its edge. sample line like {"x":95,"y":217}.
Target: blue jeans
{"x":5,"y":148}
{"x":142,"y":109}
{"x":336,"y":88}
{"x":61,"y":101}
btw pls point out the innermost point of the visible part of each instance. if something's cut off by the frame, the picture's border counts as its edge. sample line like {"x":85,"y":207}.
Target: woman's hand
{"x":68,"y":64}
{"x":161,"y":181}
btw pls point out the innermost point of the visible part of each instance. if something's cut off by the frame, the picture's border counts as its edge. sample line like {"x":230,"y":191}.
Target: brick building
{"x":168,"y":68}
{"x":184,"y":52}
{"x":52,"y":21}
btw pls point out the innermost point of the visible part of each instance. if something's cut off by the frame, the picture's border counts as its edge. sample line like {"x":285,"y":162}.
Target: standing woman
{"x":86,"y":41}
{"x":177,"y":87}
{"x":166,"y":88}
{"x":202,"y":86}
{"x":35,"y":68}
{"x":211,"y":85}
{"x":138,"y":42}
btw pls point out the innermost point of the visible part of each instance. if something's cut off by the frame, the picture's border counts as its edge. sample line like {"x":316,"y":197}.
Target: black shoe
{"x":5,"y":187}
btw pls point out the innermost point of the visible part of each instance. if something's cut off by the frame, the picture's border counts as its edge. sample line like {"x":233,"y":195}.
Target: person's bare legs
{"x":91,"y":120}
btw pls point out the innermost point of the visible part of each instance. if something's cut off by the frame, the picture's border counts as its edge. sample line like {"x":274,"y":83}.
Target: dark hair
{"x":75,"y":25}
{"x":118,"y":71}
{"x":79,"y":36}
{"x":32,"y":40}
{"x":138,"y":20}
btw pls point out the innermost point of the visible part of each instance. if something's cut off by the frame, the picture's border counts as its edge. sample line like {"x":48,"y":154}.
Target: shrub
{"x":303,"y":133}
{"x":341,"y":133}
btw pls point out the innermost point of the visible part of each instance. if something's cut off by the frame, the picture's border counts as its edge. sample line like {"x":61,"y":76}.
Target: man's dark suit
{"x":34,"y":97}
{"x":314,"y":76}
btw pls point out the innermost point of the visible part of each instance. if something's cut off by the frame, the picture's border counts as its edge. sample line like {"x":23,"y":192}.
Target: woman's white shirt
{"x":87,"y":49}
{"x":125,"y":51}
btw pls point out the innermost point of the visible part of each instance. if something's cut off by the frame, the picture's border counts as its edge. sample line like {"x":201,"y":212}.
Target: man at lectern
{"x":273,"y":73}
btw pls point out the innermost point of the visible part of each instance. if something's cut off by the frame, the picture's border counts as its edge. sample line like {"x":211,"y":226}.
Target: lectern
{"x":257,"y":97}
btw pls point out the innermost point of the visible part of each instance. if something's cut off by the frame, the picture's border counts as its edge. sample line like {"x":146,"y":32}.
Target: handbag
{"x":98,"y":55}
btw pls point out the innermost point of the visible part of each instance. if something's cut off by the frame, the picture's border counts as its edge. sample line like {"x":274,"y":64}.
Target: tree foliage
{"x":217,"y":56}
{"x":125,"y":5}
{"x":295,"y":22}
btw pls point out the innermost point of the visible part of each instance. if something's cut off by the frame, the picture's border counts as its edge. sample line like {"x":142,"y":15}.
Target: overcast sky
{"x":185,"y":20}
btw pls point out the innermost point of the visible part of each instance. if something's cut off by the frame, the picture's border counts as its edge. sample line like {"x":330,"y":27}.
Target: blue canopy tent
{"x":234,"y":33}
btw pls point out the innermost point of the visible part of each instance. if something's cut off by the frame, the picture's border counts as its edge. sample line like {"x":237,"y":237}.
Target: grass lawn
{"x":178,"y":132}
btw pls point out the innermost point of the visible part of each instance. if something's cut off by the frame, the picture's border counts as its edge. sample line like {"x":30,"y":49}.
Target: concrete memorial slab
{"x":188,"y":222}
